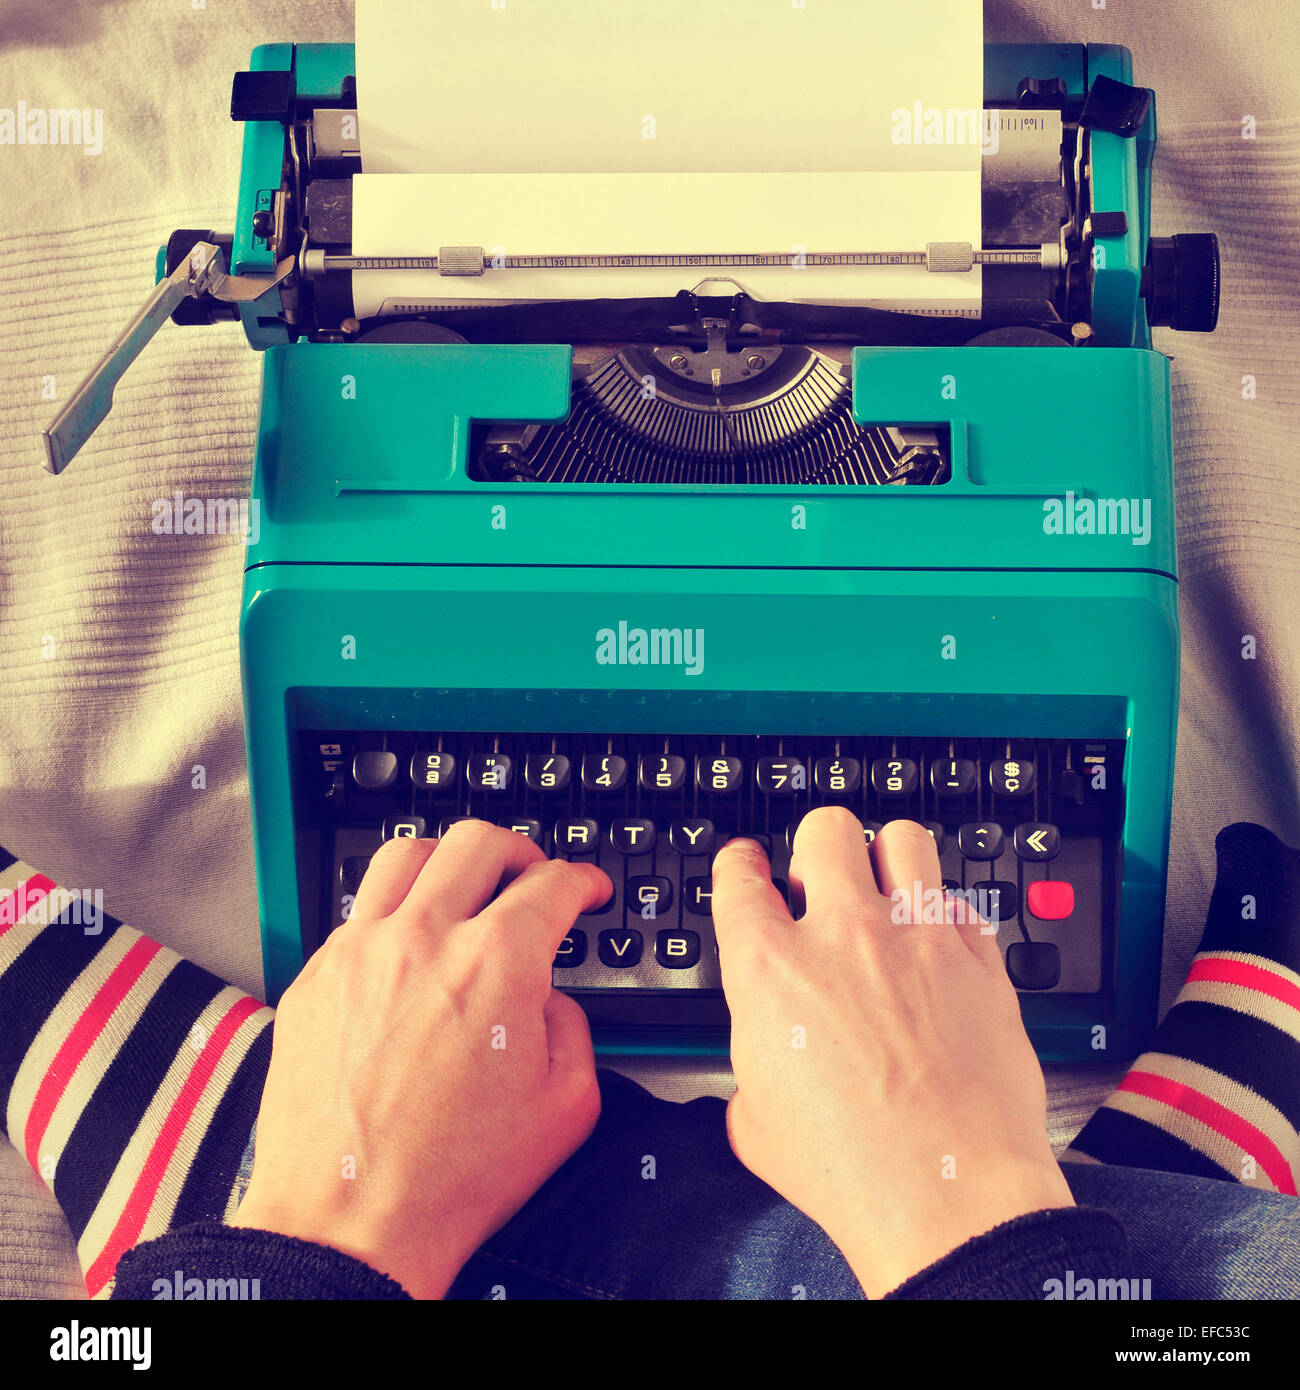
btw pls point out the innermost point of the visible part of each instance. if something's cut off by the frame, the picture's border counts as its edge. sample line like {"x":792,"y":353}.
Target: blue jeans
{"x":656,"y":1206}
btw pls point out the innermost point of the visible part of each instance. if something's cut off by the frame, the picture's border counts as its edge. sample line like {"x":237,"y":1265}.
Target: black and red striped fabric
{"x":1218,"y":1095}
{"x":129,"y":1078}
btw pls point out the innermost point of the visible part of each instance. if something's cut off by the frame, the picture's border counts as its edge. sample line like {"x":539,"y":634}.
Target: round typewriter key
{"x":691,"y":837}
{"x":952,"y":776}
{"x":632,"y":836}
{"x":780,"y":776}
{"x":489,"y":772}
{"x":1011,"y":777}
{"x":664,"y":772}
{"x":433,"y":771}
{"x":523,"y":825}
{"x":571,"y":951}
{"x":352,"y":871}
{"x":547,"y":772}
{"x":374,"y":771}
{"x":998,"y":900}
{"x":648,"y":895}
{"x":980,"y":840}
{"x":837,"y":776}
{"x":576,"y":837}
{"x":605,"y":772}
{"x":894,"y":776}
{"x":448,"y":821}
{"x":619,"y":949}
{"x":760,"y":837}
{"x":698,"y":895}
{"x":600,"y":907}
{"x":677,"y":950}
{"x":1036,"y":842}
{"x":1050,"y":899}
{"x":403,"y":828}
{"x":870,"y":829}
{"x":720,"y":775}
{"x":1034,"y":964}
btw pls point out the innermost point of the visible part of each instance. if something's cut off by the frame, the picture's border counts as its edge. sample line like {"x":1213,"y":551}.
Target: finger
{"x":907,"y":868}
{"x":743,"y":894}
{"x":539,"y":908}
{"x":736,"y":1123}
{"x":568,"y":1036}
{"x":394,"y":867}
{"x":829,"y":864}
{"x":473,"y":861}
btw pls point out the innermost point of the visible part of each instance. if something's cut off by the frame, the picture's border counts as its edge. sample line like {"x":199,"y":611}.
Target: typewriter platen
{"x":913,"y":565}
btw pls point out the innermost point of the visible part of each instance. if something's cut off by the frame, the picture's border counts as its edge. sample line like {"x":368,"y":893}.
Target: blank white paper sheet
{"x":681,"y":127}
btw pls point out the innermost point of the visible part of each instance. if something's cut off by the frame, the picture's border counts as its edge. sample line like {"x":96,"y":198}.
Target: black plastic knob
{"x":1181,"y":282}
{"x":205,"y":309}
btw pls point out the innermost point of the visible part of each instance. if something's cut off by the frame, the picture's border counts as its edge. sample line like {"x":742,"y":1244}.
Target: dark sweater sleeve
{"x":284,"y":1267}
{"x":1017,"y":1260}
{"x":1021,"y":1258}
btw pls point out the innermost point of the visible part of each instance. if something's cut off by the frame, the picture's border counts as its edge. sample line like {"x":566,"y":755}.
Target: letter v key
{"x":620,"y":949}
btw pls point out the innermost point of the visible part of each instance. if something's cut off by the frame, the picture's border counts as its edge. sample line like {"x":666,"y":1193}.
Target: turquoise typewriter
{"x":631,"y":577}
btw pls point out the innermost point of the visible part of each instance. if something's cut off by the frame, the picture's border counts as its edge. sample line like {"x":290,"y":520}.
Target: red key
{"x":1050,"y":899}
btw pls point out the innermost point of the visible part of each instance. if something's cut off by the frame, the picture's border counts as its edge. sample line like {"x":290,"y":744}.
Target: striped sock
{"x":1218,"y":1096}
{"x":129,"y":1078}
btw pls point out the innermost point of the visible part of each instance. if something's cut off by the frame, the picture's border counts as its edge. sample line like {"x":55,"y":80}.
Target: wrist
{"x":937,"y":1221}
{"x":368,"y":1239}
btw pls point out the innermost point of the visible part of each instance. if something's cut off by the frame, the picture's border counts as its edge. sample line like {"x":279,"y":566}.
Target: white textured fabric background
{"x":97,"y":741}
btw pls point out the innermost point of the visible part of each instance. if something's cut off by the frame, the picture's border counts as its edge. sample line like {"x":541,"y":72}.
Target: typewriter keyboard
{"x":1028,"y":829}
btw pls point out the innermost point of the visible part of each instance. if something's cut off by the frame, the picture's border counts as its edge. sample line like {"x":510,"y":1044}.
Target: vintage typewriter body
{"x":496,"y":577}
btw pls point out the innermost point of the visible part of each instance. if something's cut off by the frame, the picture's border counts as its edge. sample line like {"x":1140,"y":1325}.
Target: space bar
{"x":629,"y":1008}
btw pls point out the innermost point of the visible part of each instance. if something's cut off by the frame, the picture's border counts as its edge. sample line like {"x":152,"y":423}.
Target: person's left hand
{"x":425,"y":1078}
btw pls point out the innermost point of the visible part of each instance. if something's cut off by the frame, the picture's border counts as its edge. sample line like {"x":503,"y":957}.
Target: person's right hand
{"x":885,"y":1084}
{"x":425,"y":1078}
